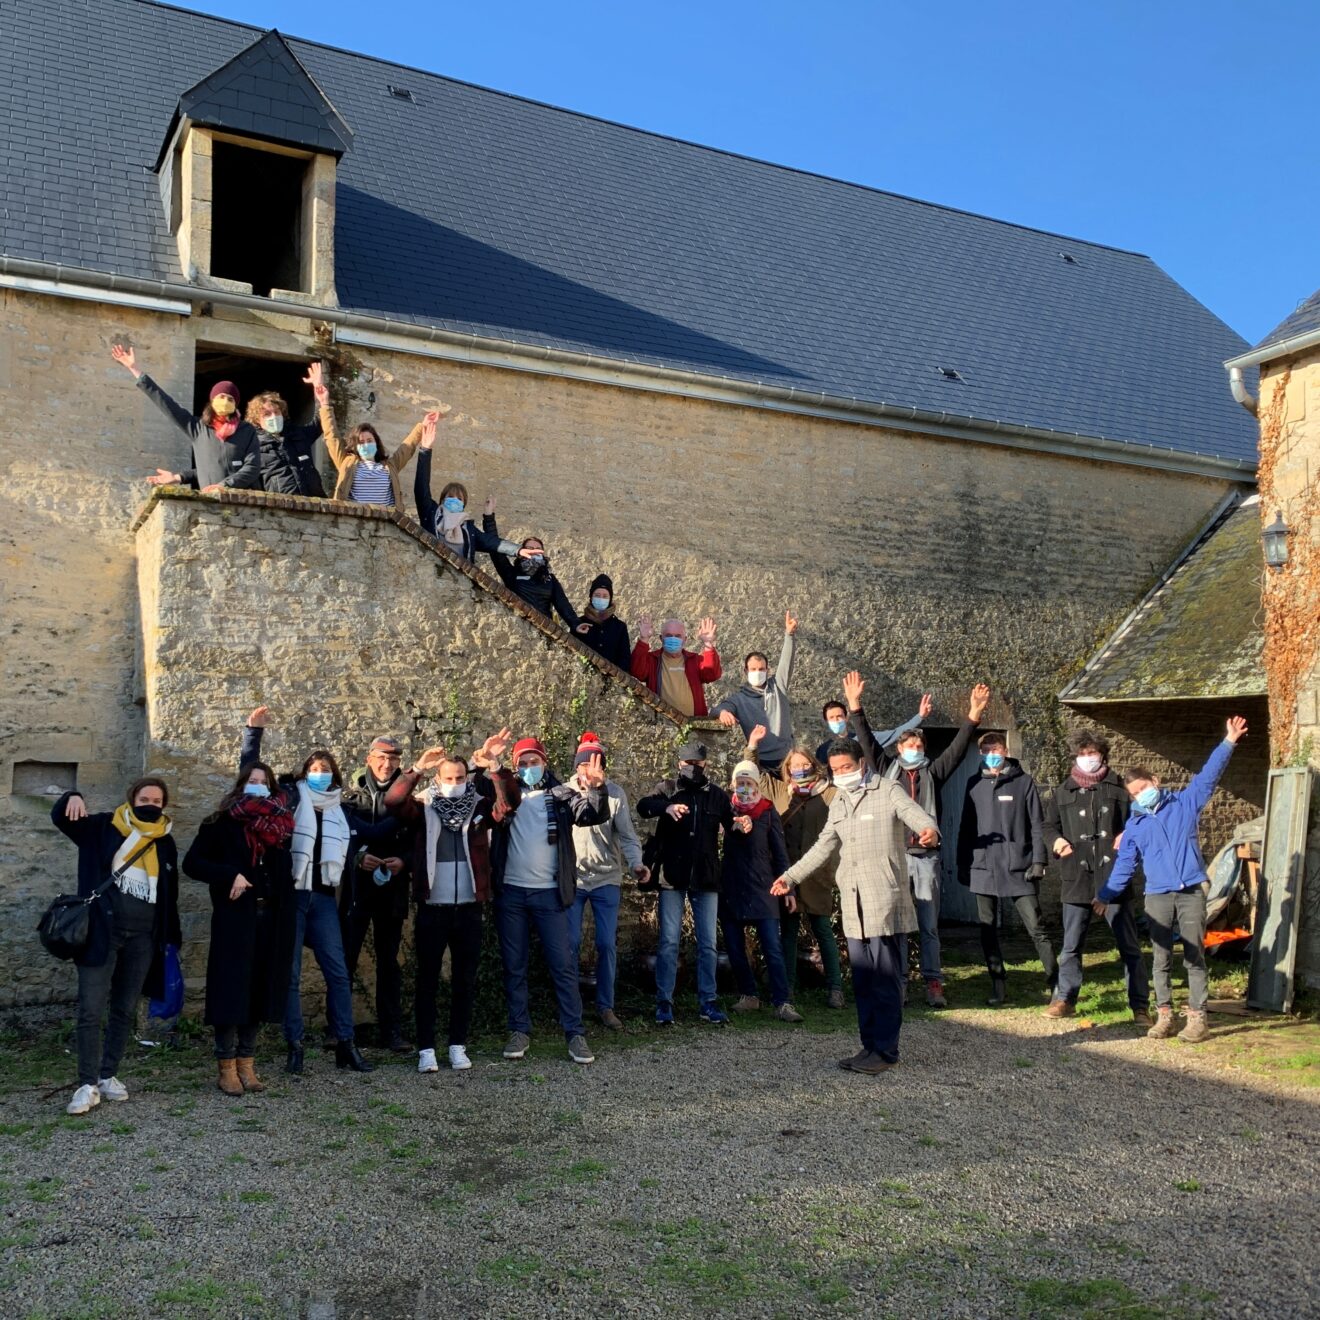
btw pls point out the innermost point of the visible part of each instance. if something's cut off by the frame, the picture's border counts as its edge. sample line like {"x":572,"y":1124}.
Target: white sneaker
{"x":458,"y":1057}
{"x":84,"y":1098}
{"x":426,"y":1061}
{"x":112,"y":1088}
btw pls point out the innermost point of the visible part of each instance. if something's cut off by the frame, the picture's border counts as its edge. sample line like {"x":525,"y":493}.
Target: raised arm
{"x":334,"y":446}
{"x":401,"y":457}
{"x":1202,"y":787}
{"x":951,"y":758}
{"x":422,"y":497}
{"x":250,"y":748}
{"x":708,"y":666}
{"x":787,"y":653}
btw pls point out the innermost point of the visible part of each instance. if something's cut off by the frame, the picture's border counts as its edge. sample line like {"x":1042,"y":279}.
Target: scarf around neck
{"x":334,"y":833}
{"x":453,"y":813}
{"x":1084,"y":780}
{"x":266,"y":822}
{"x":141,"y":878}
{"x":755,"y":809}
{"x":594,"y":615}
{"x":224,"y":428}
{"x":450,"y":526}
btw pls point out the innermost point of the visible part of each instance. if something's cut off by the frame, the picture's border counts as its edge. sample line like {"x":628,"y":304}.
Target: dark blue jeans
{"x":772,"y":950}
{"x":1076,"y":922}
{"x":604,"y":900}
{"x":516,"y":912}
{"x":316,"y":921}
{"x":879,"y":969}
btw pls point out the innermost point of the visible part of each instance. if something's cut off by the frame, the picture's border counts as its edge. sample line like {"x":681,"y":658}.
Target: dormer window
{"x":248,"y":177}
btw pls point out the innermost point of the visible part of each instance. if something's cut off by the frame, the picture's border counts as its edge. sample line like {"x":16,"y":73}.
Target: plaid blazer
{"x":866,"y":833}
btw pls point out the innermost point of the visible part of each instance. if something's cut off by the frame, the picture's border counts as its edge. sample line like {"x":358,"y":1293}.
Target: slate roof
{"x":1304,"y":320}
{"x":1198,"y":633}
{"x":478,"y":212}
{"x":264,"y":91}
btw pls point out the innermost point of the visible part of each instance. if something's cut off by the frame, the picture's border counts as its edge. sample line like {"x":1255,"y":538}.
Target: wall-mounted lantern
{"x":1275,"y":540}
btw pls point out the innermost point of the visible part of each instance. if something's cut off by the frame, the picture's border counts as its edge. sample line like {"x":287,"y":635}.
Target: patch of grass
{"x":121,"y":1129}
{"x":1188,"y":1185}
{"x":255,"y":1198}
{"x":514,"y":1271}
{"x":927,"y":1140}
{"x":1086,"y":1297}
{"x":586,"y":1171}
{"x":648,"y":1183}
{"x":203,"y":1293}
{"x":42,"y":1189}
{"x":1023,"y":1062}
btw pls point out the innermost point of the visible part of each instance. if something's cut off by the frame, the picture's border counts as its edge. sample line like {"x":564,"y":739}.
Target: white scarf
{"x":451,"y":527}
{"x":334,"y":836}
{"x":136,"y":881}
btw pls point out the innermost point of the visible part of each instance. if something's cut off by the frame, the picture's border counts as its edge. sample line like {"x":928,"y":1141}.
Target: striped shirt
{"x":371,"y":483}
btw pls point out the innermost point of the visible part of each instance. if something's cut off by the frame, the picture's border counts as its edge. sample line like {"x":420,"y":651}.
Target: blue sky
{"x":1177,"y":128}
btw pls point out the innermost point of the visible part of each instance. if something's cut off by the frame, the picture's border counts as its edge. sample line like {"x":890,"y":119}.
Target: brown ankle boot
{"x":1165,"y":1024}
{"x":247,"y":1074}
{"x":228,"y":1080}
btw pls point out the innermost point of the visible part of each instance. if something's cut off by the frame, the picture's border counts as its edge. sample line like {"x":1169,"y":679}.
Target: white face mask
{"x":849,"y":781}
{"x":1089,"y":763}
{"x":757,"y":677}
{"x":453,"y":790}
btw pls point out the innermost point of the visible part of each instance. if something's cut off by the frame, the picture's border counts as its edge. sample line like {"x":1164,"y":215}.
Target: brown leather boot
{"x":247,"y":1074}
{"x":228,"y":1080}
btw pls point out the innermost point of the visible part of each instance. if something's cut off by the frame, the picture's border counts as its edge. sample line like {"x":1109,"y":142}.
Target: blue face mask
{"x":531,"y":775}
{"x":836,"y":727}
{"x":992,"y":760}
{"x":319,"y":780}
{"x":672,"y":645}
{"x":911,"y":755}
{"x":452,"y":504}
{"x":600,"y":604}
{"x":367,"y":450}
{"x":1148,"y":799}
{"x":256,"y":790}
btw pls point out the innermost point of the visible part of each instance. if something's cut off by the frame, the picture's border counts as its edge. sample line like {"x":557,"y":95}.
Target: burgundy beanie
{"x":226,"y":387}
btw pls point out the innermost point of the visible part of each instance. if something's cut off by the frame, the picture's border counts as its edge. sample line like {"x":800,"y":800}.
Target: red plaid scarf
{"x":267,"y":823}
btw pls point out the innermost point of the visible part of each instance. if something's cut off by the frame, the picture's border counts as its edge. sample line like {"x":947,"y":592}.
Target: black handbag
{"x":66,"y":925}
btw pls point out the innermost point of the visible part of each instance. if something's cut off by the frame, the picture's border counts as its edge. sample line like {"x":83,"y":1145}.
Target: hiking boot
{"x":834,"y":999}
{"x":1197,"y":1028}
{"x":859,"y":1057}
{"x":664,"y":1014}
{"x":579,"y":1051}
{"x":426,"y":1061}
{"x":1060,"y":1008}
{"x":609,"y":1019}
{"x":458,"y":1058}
{"x":396,"y":1044}
{"x":1165,"y":1022}
{"x":1142,"y":1018}
{"x":713,"y":1016}
{"x":516,"y":1046}
{"x":85,"y":1097}
{"x":347,"y":1055}
{"x":935,"y":992}
{"x":872,"y":1065}
{"x":998,"y":992}
{"x":787,"y":1013}
{"x":294,"y":1063}
{"x":747,"y":1004}
{"x":227,"y":1080}
{"x":111,"y":1088}
{"x":247,"y":1075}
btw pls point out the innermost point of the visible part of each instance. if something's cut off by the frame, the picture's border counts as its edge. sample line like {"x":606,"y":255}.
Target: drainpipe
{"x":1240,"y":392}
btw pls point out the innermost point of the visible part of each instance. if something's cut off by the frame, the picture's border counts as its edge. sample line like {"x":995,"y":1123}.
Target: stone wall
{"x":923,"y":561}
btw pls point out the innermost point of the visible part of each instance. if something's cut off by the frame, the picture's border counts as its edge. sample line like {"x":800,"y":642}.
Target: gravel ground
{"x":1013,"y":1166}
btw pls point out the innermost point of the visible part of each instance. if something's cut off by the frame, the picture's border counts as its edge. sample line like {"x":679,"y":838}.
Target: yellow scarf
{"x":140,"y":878}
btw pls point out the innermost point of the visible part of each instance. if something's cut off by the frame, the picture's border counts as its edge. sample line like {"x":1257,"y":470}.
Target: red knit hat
{"x":588,"y":746}
{"x":529,"y":745}
{"x":226,"y":387}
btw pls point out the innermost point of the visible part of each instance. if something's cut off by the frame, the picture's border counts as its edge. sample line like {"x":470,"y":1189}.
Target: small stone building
{"x":738,"y":388}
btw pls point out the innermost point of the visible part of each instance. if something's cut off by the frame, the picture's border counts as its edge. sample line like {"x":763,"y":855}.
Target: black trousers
{"x":378,"y":907}
{"x":116,"y":984}
{"x":456,"y":927}
{"x":236,"y":1042}
{"x":1028,"y":908}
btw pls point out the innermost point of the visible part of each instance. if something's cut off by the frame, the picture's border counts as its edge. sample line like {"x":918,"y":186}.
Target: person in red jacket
{"x":676,"y":675}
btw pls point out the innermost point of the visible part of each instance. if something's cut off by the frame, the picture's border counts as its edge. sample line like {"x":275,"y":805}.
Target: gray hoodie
{"x":598,"y":847}
{"x":769,"y":705}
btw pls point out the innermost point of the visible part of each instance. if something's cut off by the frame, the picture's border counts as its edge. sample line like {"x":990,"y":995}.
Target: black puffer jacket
{"x":687,"y":850}
{"x":1088,"y":818}
{"x":288,"y":463}
{"x":1002,"y":833}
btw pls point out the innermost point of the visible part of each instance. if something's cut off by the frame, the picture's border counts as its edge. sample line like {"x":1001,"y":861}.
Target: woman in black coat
{"x":754,"y":854}
{"x":242,"y":853}
{"x":527,"y":574}
{"x":131,"y":923}
{"x":601,"y":629}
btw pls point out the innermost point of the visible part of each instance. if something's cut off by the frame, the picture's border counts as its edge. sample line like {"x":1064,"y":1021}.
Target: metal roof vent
{"x":949,"y":373}
{"x":401,"y":93}
{"x":1069,"y":258}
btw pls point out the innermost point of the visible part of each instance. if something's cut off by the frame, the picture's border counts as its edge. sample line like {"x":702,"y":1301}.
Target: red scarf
{"x":224,"y":427}
{"x":267,"y":823}
{"x":1083,"y":780}
{"x":755,"y":811}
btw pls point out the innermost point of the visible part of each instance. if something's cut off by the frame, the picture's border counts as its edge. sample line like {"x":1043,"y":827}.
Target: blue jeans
{"x":1076,"y":922}
{"x":879,"y":969}
{"x":516,"y":912}
{"x":772,"y":950}
{"x":316,"y":921}
{"x":704,"y":910}
{"x":604,"y":900}
{"x":924,"y":875}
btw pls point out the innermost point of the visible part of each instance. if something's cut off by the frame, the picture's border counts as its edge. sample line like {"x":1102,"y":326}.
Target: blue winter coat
{"x":1165,"y":840}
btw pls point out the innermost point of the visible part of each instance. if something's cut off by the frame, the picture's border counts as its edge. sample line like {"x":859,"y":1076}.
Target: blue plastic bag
{"x":172,"y":1003}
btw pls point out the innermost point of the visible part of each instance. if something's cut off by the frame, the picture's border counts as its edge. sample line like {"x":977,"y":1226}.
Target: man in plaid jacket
{"x":863,"y":831}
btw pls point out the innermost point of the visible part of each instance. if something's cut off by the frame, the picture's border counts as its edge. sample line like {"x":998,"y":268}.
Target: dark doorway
{"x":253,"y":375}
{"x":256,"y":217}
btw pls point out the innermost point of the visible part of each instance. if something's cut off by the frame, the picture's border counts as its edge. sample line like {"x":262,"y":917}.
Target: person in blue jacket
{"x":1161,"y":834}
